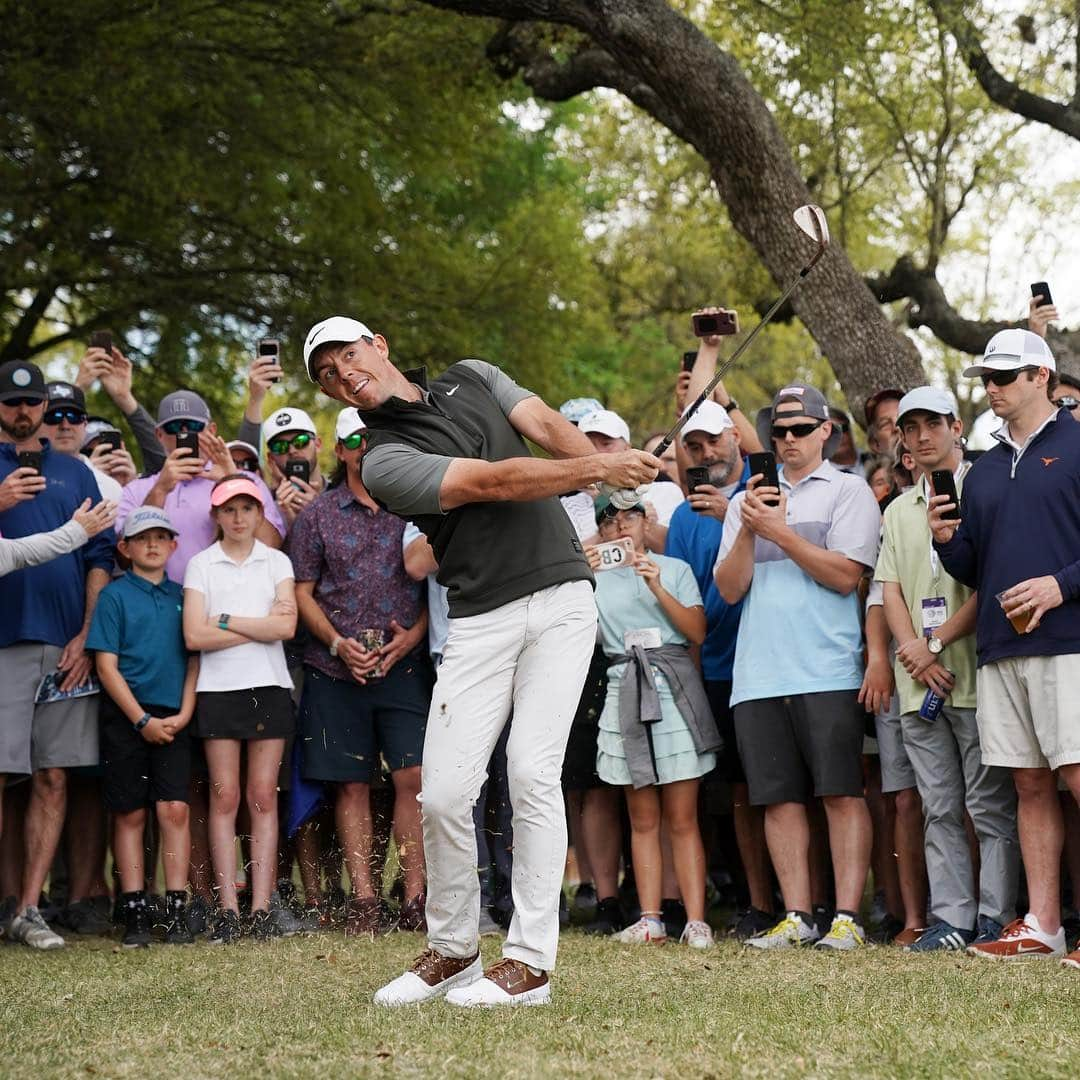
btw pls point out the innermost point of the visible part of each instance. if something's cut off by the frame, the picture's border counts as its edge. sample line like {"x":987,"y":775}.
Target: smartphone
{"x":30,"y":459}
{"x":299,"y":470}
{"x":271,"y":347}
{"x":190,"y":439}
{"x":1040,"y":288}
{"x":765,"y":463}
{"x":945,"y":484}
{"x":688,"y":360}
{"x":111,"y":439}
{"x":722,"y":322}
{"x":615,"y":554}
{"x":102,"y":339}
{"x":696,"y":475}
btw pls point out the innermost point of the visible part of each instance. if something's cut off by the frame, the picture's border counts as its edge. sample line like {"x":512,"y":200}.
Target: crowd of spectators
{"x":820,"y":711}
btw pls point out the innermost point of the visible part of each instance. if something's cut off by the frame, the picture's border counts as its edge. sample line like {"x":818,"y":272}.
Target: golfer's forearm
{"x":516,"y":479}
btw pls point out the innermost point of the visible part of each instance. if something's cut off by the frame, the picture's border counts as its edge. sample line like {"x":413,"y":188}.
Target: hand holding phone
{"x":30,"y":459}
{"x":188,"y":440}
{"x":270,"y":348}
{"x":102,"y":339}
{"x":1039,"y":289}
{"x":765,"y":465}
{"x":298,"y":470}
{"x":944,"y":483}
{"x":689,"y":359}
{"x":695,"y":476}
{"x":715,"y":323}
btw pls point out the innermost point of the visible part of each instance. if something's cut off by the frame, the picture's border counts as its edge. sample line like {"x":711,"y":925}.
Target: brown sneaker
{"x":430,"y":976}
{"x":412,"y":915}
{"x":908,"y":937}
{"x":1023,"y":939}
{"x":362,"y":916}
{"x":509,"y":982}
{"x":1072,"y":960}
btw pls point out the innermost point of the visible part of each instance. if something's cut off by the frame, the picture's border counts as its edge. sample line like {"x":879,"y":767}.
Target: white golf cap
{"x":1009,"y":350}
{"x":286,"y":419}
{"x":605,"y":422}
{"x":711,"y":417}
{"x":337,"y":328}
{"x":348,"y":423}
{"x":927,"y":399}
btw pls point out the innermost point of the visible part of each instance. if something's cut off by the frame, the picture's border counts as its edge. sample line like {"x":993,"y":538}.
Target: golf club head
{"x":811,"y":220}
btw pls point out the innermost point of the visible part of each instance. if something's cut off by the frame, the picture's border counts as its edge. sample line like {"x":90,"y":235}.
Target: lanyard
{"x":935,"y":559}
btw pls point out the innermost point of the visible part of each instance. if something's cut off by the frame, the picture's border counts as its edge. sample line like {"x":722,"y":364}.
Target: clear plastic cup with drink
{"x":1019,"y":619}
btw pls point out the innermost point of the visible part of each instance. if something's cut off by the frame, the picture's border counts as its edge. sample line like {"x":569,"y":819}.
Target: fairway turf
{"x":302,"y":1007}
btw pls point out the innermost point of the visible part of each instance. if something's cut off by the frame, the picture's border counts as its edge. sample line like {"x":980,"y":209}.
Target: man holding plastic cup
{"x":1016,"y":541}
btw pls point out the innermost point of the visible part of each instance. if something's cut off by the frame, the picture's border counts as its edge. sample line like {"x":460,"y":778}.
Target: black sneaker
{"x":583,"y":906}
{"x":88,"y":916}
{"x":227,"y":929}
{"x":823,"y":918}
{"x":260,"y":926}
{"x":750,"y":922}
{"x":673,"y":912}
{"x":175,"y":923}
{"x":136,"y":921}
{"x":608,"y":918}
{"x":198,"y":915}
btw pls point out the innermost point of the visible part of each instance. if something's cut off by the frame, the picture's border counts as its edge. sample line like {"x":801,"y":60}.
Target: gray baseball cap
{"x":182,"y":405}
{"x":811,"y":402}
{"x":143,"y":518}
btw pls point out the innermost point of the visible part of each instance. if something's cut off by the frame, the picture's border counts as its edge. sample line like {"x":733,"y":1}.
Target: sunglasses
{"x":282,"y":446}
{"x":1003,"y":378}
{"x":800,"y":431}
{"x":355,"y":440}
{"x":25,"y":401}
{"x":175,"y":427}
{"x":72,"y":416}
{"x":247,"y":464}
{"x":1069,"y":403}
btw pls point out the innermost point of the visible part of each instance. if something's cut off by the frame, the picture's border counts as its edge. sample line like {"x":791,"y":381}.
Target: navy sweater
{"x":1022,"y":522}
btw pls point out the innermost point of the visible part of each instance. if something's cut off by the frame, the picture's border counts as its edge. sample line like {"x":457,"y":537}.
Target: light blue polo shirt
{"x":796,"y":636}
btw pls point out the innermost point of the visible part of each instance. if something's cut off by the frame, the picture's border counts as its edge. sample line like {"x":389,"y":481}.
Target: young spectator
{"x":43,"y":547}
{"x":290,"y":437}
{"x":149,"y":685}
{"x":932,"y":618}
{"x":657,"y":733}
{"x":1016,"y":545}
{"x":797,"y":554}
{"x":362,"y":698}
{"x":239,"y":607}
{"x":47,"y":611}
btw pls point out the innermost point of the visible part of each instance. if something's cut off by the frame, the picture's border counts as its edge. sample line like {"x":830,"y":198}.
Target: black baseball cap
{"x":65,"y":393}
{"x":21,"y":379}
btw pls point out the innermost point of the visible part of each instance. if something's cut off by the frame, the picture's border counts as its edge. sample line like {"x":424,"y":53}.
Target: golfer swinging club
{"x":451,"y":457}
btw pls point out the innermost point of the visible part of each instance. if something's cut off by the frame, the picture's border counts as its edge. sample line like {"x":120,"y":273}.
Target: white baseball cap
{"x":337,"y":328}
{"x":927,"y":399}
{"x":605,"y":422}
{"x":286,"y":419}
{"x":711,"y":417}
{"x":1010,"y":350}
{"x":348,"y":423}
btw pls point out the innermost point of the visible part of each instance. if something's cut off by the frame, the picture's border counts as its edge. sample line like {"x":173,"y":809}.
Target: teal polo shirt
{"x":141,"y":623}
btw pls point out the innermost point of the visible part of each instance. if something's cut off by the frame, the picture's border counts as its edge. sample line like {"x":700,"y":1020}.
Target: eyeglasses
{"x":1069,"y":403}
{"x":1003,"y":378}
{"x":27,"y":401}
{"x":175,"y":427}
{"x":298,"y":442}
{"x":72,"y":416}
{"x":800,"y":431}
{"x":355,"y":440}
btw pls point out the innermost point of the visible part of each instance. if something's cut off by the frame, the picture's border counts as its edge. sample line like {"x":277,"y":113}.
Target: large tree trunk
{"x":668,"y":67}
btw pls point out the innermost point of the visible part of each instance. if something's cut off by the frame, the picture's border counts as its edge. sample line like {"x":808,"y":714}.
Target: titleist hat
{"x":336,"y":329}
{"x":1010,"y":350}
{"x":605,"y":422}
{"x":143,"y":518}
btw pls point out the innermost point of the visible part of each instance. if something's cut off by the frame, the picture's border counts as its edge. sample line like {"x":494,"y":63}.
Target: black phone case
{"x":944,"y":484}
{"x":695,"y":475}
{"x":190,"y":439}
{"x":1040,"y":288}
{"x":765,"y":463}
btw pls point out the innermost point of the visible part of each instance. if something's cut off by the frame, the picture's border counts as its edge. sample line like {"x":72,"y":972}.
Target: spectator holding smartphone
{"x":292,"y":455}
{"x":104,"y":447}
{"x":657,"y":733}
{"x":239,"y":607}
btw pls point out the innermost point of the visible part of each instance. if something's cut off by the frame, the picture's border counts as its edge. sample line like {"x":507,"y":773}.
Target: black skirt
{"x":264,"y":712}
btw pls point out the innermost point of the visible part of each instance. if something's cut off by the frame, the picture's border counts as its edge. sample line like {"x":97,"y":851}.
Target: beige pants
{"x":531,"y":656}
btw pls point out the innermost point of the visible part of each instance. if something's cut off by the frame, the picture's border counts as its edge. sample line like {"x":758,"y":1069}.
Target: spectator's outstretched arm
{"x":1040,"y":317}
{"x":20,"y":552}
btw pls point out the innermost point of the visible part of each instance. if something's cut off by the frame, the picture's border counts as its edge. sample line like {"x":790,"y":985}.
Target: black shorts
{"x":729,"y":765}
{"x":263,"y":712}
{"x":345,"y":725}
{"x":801,"y":746}
{"x":579,"y":763}
{"x":138,"y":773}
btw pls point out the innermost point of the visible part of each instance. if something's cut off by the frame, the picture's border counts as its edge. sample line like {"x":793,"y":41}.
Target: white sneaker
{"x":509,"y":982}
{"x":431,"y":976}
{"x":789,"y":933}
{"x":698,"y":935}
{"x":844,"y":935}
{"x":643,"y":932}
{"x":30,"y":928}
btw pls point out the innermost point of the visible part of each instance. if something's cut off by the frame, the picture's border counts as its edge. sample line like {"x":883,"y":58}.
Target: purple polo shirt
{"x":353,"y":555}
{"x":188,"y":507}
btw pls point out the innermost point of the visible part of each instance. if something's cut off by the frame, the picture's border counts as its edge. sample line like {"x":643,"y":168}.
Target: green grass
{"x":302,"y":1007}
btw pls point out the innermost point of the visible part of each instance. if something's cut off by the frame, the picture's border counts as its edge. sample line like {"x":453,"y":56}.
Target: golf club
{"x":811,"y":220}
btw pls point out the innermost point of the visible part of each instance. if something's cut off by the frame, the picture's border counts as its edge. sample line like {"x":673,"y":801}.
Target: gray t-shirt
{"x":416,"y":476}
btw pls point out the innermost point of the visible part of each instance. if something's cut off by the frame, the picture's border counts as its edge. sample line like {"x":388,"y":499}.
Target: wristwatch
{"x":935,"y":644}
{"x":334,"y":644}
{"x":142,"y":721}
{"x":223,"y":622}
{"x":732,"y":405}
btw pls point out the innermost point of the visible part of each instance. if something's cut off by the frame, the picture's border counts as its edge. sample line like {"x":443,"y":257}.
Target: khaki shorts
{"x":1029,"y":712}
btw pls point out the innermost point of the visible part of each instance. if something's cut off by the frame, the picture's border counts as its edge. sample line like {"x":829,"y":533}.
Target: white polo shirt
{"x":246,"y":588}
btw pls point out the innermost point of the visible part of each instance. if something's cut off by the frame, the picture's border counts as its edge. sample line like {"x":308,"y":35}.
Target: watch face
{"x":935,"y":645}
